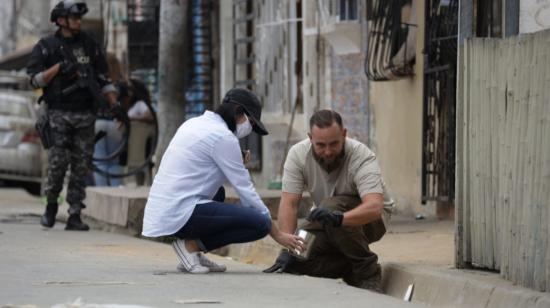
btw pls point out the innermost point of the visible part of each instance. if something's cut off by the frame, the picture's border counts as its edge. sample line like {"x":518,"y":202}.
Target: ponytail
{"x":229,"y":111}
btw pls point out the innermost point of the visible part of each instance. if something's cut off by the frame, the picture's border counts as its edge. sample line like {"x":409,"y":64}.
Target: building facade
{"x":301,"y":56}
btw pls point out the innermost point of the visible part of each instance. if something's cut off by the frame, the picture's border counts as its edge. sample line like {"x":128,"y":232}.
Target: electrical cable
{"x":122,"y":117}
{"x":148,"y":160}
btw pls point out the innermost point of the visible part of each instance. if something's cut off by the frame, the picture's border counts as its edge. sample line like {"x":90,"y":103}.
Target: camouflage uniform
{"x":71,"y":113}
{"x":73,"y":138}
{"x":71,"y":69}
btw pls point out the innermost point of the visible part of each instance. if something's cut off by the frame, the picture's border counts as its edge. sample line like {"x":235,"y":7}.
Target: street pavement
{"x":45,"y":268}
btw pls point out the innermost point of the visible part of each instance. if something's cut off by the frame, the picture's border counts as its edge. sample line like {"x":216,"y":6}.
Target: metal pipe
{"x":199,"y":94}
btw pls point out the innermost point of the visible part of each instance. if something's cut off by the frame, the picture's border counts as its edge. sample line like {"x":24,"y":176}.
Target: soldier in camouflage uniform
{"x":72,"y":112}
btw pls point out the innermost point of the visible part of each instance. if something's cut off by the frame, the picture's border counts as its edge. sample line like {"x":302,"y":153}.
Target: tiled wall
{"x":349,"y":94}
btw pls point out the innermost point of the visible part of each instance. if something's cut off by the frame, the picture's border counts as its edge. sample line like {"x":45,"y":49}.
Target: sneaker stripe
{"x":181,"y":254}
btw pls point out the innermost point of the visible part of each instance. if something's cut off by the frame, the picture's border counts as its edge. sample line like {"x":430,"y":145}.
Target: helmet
{"x":66,"y":8}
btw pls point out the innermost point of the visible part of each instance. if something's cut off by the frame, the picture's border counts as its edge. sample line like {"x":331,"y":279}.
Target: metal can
{"x":308,"y":238}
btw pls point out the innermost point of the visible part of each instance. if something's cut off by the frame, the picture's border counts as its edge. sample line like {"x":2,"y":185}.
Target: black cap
{"x":251,"y":105}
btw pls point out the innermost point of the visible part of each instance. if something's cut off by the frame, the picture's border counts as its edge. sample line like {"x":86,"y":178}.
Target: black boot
{"x":75,"y":223}
{"x":48,"y":219}
{"x":372,"y":283}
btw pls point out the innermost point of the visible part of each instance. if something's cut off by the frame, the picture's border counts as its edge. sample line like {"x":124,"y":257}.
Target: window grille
{"x":391,"y":40}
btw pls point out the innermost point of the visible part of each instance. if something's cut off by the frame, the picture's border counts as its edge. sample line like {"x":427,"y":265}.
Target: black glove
{"x":281,"y":264}
{"x":67,"y":67}
{"x":325,"y":217}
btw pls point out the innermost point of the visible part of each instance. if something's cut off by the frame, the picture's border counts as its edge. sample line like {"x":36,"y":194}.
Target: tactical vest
{"x":79,"y":99}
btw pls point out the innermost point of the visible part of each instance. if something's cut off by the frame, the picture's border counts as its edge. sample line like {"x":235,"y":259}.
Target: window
{"x":343,"y":10}
{"x":347,"y":10}
{"x":489,"y":18}
{"x":143,"y":34}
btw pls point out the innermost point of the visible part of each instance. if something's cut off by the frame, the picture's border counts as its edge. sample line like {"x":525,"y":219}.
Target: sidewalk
{"x":427,"y":242}
{"x":44,"y":268}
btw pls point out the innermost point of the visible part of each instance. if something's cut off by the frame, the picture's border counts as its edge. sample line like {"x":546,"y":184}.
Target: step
{"x":124,"y":206}
{"x":118,"y":206}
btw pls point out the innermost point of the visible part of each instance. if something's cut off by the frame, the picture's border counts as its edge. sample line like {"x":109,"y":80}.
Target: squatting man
{"x":344,"y":180}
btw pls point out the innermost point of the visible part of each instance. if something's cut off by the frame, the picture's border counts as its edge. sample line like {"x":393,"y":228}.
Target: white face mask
{"x":243,"y":129}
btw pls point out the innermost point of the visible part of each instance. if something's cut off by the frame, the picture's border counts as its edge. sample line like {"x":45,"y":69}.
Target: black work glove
{"x":281,"y":264}
{"x":325,"y":217}
{"x":67,"y":67}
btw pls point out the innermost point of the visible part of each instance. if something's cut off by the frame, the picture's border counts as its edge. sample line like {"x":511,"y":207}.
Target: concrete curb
{"x":458,"y":288}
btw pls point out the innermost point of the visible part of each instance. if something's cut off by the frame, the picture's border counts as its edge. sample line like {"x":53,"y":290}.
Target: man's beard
{"x":330,"y":166}
{"x":73,"y":30}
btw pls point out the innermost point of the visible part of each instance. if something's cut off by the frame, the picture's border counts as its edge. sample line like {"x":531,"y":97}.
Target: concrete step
{"x":124,"y":206}
{"x":117,"y":206}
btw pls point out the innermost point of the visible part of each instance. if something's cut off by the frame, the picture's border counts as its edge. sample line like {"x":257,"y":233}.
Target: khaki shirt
{"x":358,"y":175}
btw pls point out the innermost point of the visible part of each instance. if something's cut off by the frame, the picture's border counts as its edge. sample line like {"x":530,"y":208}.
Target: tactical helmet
{"x":66,"y":8}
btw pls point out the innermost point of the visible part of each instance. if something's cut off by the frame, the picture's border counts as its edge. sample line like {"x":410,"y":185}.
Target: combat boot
{"x":75,"y":223}
{"x":373,"y":283}
{"x":48,"y":219}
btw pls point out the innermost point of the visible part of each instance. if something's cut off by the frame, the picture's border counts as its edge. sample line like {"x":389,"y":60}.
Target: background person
{"x":55,"y":64}
{"x":112,"y":139}
{"x":141,"y":142}
{"x":139,"y":98}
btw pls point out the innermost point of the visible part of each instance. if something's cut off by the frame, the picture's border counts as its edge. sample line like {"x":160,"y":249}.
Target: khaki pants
{"x":341,"y":252}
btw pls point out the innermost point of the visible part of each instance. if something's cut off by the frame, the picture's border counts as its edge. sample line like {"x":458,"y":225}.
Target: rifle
{"x":85,"y":80}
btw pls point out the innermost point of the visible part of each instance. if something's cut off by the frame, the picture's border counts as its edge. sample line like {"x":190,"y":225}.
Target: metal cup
{"x":308,"y":238}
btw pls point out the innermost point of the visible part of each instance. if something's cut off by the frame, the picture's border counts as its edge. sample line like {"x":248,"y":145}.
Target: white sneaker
{"x":204,"y":261}
{"x":189,"y":260}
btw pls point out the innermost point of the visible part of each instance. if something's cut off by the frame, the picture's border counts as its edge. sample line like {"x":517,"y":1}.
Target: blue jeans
{"x":217,"y":224}
{"x":104,"y":147}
